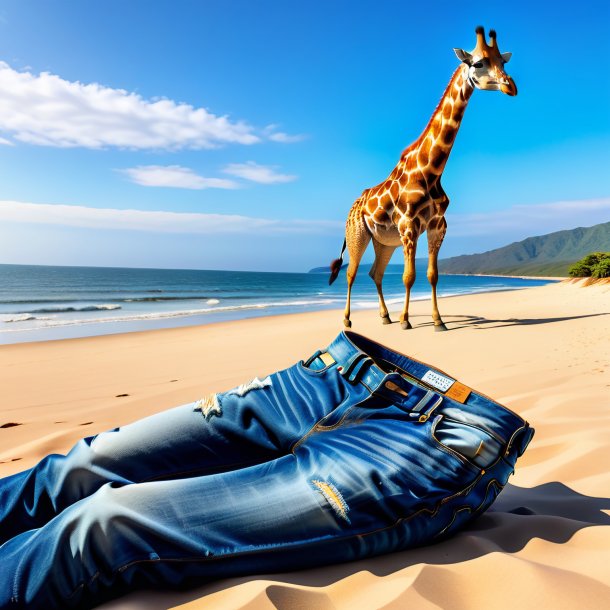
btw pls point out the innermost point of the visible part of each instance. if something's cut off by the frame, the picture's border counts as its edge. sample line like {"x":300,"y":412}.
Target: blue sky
{"x":236,"y":135}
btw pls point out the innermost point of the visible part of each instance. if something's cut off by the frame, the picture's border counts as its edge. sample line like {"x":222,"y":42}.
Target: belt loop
{"x":365,"y":371}
{"x":349,"y":366}
{"x":358,"y":368}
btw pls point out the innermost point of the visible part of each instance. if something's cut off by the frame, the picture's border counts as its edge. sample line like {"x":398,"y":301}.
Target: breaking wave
{"x":60,"y":309}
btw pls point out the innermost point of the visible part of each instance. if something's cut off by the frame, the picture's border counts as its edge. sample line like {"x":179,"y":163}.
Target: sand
{"x":544,"y":352}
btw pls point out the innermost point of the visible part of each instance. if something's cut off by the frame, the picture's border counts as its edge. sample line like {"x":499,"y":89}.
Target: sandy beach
{"x":544,"y":352}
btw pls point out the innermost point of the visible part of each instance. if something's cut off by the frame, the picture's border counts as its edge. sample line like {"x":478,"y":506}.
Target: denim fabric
{"x":318,"y":463}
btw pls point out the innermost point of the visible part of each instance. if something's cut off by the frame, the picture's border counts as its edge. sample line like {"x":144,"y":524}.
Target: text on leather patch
{"x":438,"y":381}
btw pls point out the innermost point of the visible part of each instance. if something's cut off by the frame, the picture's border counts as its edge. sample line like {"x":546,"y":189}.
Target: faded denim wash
{"x":355,"y":452}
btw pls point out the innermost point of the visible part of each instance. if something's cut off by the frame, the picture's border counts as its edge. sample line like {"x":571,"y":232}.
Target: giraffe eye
{"x":478,"y":64}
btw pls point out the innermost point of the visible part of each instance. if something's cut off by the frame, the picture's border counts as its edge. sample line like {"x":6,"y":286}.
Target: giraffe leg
{"x":358,"y":237}
{"x":410,"y":245}
{"x":435,"y":239}
{"x":383,"y":254}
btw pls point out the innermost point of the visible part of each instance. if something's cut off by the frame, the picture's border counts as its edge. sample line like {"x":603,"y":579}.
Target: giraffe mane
{"x":417,"y":142}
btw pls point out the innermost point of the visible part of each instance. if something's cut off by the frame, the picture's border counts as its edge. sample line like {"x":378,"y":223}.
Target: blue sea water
{"x":45,"y":302}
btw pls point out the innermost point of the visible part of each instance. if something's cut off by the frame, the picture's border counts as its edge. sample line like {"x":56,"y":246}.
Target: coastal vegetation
{"x":595,"y":265}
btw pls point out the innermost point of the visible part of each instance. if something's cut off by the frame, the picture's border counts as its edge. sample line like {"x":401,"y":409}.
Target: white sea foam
{"x":22,"y":317}
{"x":19,"y":317}
{"x":55,"y":322}
{"x":212,"y":302}
{"x":73,"y":308}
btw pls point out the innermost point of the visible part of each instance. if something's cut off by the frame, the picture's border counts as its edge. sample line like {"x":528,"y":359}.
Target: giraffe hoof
{"x":405,"y":325}
{"x":386,"y":320}
{"x":347,"y":323}
{"x":439,"y":327}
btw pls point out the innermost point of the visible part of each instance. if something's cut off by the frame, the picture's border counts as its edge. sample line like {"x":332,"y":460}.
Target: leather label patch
{"x":458,"y":392}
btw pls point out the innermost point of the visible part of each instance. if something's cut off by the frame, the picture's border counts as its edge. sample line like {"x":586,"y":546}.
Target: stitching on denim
{"x":324,"y":428}
{"x":511,"y":440}
{"x":432,"y":512}
{"x":499,"y":488}
{"x":17,"y":579}
{"x":455,"y":514}
{"x":317,"y":425}
{"x":88,"y":583}
{"x":115,"y":571}
{"x":462,"y":459}
{"x":491,"y":433}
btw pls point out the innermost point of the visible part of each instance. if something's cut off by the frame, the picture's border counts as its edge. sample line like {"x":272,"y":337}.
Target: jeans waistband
{"x":361,"y":360}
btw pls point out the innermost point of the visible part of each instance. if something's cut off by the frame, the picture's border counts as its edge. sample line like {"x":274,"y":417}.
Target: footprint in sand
{"x":10,"y":425}
{"x":121,"y":395}
{"x":86,"y":423}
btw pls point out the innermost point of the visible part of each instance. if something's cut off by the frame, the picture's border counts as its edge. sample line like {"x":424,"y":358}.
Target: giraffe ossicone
{"x":411,"y":200}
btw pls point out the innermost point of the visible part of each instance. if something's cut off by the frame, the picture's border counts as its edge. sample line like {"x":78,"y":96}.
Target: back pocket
{"x":471,"y":442}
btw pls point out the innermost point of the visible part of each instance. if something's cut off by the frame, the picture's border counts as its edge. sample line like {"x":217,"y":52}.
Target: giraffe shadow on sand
{"x":482,"y":323}
{"x":552,"y":511}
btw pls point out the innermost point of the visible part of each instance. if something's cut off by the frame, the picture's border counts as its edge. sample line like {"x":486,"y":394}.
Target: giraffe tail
{"x":335,"y":266}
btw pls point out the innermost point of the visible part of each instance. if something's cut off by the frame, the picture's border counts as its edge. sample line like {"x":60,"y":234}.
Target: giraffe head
{"x":486,"y":65}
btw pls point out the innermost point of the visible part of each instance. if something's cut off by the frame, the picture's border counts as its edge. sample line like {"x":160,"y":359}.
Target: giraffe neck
{"x":433,"y":146}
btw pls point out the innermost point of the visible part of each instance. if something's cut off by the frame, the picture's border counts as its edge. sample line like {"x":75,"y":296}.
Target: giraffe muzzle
{"x":509,"y":87}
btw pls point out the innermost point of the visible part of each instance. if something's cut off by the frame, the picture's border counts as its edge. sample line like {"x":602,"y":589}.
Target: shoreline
{"x":540,"y":351}
{"x":550,"y":278}
{"x":102,"y":328}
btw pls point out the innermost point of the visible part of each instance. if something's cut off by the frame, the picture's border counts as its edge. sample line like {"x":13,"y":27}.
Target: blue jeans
{"x":354,"y":452}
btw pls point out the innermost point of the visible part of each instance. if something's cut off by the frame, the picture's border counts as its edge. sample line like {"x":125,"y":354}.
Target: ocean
{"x":45,"y":302}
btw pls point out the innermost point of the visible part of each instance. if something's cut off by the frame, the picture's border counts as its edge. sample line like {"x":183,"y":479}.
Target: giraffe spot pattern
{"x":411,"y":199}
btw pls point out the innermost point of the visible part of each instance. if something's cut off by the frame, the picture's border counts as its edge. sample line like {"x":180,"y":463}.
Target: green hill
{"x":550,"y":254}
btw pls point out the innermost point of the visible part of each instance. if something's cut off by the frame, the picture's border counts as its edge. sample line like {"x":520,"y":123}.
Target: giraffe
{"x":411,"y":200}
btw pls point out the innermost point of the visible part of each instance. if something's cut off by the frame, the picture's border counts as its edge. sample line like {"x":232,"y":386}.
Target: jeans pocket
{"x":466,"y":440}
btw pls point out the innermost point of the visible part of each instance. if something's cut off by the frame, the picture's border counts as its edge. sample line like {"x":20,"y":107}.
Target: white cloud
{"x":520,"y":221}
{"x":157,"y":221}
{"x":285,"y":138}
{"x":174,"y":176}
{"x":280,"y":136}
{"x":46,"y":110}
{"x":264,"y":174}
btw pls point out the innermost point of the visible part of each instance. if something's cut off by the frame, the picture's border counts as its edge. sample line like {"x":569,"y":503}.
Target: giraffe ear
{"x":463,"y":56}
{"x":506,"y":57}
